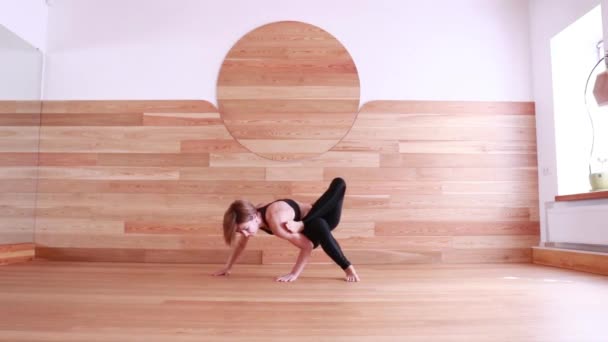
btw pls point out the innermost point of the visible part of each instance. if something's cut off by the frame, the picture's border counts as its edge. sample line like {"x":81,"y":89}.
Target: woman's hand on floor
{"x":288,"y":277}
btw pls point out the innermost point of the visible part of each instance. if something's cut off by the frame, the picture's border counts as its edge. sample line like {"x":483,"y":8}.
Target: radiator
{"x":583,"y":222}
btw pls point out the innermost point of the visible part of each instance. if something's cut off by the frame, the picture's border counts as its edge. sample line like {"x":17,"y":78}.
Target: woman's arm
{"x":298,"y":267}
{"x":277,"y":219}
{"x":296,"y":238}
{"x":238,"y":248}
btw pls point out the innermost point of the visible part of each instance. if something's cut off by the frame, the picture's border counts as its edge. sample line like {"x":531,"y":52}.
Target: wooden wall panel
{"x":428,"y":182}
{"x":19,"y":129}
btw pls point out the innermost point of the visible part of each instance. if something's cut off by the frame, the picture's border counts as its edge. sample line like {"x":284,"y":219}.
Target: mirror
{"x":20,"y":82}
{"x":288,"y":90}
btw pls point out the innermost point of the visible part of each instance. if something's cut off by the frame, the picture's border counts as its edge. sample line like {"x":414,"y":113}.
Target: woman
{"x":305,"y":226}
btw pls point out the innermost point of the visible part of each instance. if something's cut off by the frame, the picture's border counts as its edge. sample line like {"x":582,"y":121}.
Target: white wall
{"x":404,"y":49}
{"x":20,"y":68}
{"x":548,"y":18}
{"x":27,"y":19}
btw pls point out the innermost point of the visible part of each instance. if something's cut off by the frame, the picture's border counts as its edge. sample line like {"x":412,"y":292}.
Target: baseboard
{"x":591,"y":262}
{"x":16,"y":253}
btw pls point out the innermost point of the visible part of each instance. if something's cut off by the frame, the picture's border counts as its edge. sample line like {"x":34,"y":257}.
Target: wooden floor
{"x":53,"y":301}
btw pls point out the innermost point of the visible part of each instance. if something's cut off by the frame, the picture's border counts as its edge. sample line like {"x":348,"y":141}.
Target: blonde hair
{"x":238,"y":212}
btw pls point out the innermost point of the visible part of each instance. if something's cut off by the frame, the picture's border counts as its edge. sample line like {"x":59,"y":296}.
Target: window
{"x":574,"y":52}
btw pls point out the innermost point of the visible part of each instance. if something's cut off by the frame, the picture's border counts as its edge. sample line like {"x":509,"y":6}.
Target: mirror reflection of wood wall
{"x":288,"y":90}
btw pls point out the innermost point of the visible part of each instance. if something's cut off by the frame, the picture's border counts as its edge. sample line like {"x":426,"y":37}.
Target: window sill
{"x":582,"y":196}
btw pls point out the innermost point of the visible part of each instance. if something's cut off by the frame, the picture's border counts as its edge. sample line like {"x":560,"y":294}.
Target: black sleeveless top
{"x":291,"y":203}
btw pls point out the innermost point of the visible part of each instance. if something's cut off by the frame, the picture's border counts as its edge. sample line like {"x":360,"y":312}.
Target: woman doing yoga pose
{"x":305,"y":226}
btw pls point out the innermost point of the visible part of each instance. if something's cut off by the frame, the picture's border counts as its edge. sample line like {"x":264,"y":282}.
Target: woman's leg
{"x":329,"y":205}
{"x":319,"y":232}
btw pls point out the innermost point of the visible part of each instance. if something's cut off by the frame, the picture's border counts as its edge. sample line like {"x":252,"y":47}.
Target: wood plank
{"x":17,"y":229}
{"x":128,"y":106}
{"x":18,"y":199}
{"x":153,"y":159}
{"x":455,"y":228}
{"x":223,"y":173}
{"x":468,"y":147}
{"x":582,"y":196}
{"x":181,"y":119}
{"x":409,"y":243}
{"x":18,"y":184}
{"x":457,"y":160}
{"x":495,"y":241}
{"x":230,"y":187}
{"x":16,"y":253}
{"x":294,"y":174}
{"x":127,"y":241}
{"x":502,"y":187}
{"x":289,"y":256}
{"x":368,"y":188}
{"x":287,"y":146}
{"x":424,"y":188}
{"x":335,"y":111}
{"x":212,"y":146}
{"x":329,"y":159}
{"x":393,"y":257}
{"x":147,"y":227}
{"x":513,"y":200}
{"x":250,"y":130}
{"x":20,"y":119}
{"x":8,"y":107}
{"x":124,"y":139}
{"x":18,"y":173}
{"x":68,"y":159}
{"x":357,"y":257}
{"x":91,"y":119}
{"x":201,"y":201}
{"x":366,"y":133}
{"x":124,"y":159}
{"x":29,"y":106}
{"x":584,"y":261}
{"x":449,"y":107}
{"x":487,"y":255}
{"x":437,"y":214}
{"x":440,"y":119}
{"x":18,"y":159}
{"x":16,"y":211}
{"x":380,"y":146}
{"x":64,"y":225}
{"x":24,"y":139}
{"x":285,"y":93}
{"x":109,"y":173}
{"x":17,"y":247}
{"x":354,"y":229}
{"x":432,"y":173}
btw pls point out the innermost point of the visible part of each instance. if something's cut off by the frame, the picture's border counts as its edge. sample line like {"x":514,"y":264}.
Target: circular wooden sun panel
{"x":288,"y":90}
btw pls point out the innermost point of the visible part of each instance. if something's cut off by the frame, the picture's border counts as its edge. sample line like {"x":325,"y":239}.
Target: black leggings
{"x":323,"y":217}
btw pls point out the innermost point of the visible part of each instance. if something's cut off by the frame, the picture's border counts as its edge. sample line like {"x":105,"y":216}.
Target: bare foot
{"x":351,"y":274}
{"x":295,"y":226}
